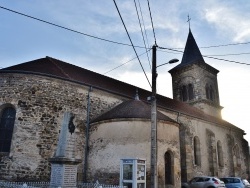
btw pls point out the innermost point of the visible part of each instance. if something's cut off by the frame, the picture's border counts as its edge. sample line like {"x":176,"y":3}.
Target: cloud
{"x":229,"y":21}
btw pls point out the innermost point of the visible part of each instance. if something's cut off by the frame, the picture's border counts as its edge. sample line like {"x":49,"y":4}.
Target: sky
{"x":92,"y":30}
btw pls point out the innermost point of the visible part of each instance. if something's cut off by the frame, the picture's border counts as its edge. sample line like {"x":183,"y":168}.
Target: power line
{"x":141,"y":31}
{"x":131,"y":41}
{"x":106,"y":40}
{"x":243,"y":53}
{"x":72,"y":30}
{"x":151,"y":21}
{"x":221,"y":45}
{"x":144,"y":31}
{"x":208,"y":56}
{"x":126,"y":62}
{"x":225,"y":60}
{"x":231,"y":54}
{"x":115,"y":42}
{"x":232,"y":44}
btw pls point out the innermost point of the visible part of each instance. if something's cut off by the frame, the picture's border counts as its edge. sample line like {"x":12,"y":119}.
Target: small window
{"x":211,"y":93}
{"x":6,"y":128}
{"x":184,"y":93}
{"x":220,"y":154}
{"x":207,"y":92}
{"x":197,"y":153}
{"x":190,"y":92}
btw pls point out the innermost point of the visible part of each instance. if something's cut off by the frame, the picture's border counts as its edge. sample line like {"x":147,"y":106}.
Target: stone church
{"x":113,"y":121}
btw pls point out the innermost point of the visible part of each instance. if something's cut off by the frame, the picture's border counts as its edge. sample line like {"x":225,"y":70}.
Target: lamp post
{"x":153,"y":162}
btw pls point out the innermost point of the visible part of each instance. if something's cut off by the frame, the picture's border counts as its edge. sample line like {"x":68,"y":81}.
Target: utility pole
{"x":153,"y":162}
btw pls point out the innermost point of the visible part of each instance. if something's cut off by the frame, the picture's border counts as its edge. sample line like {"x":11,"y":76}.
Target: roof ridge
{"x":52,"y":61}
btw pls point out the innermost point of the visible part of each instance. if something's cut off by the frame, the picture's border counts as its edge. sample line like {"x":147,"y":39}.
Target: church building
{"x":113,"y":121}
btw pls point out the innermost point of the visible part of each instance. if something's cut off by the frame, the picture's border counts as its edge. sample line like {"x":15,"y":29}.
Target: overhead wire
{"x":230,"y":44}
{"x":142,"y":31}
{"x":152,"y":22}
{"x":226,"y":60}
{"x":131,"y":42}
{"x":244,"y":53}
{"x":146,"y":36}
{"x":115,"y":42}
{"x":126,"y":62}
{"x":207,"y":56}
{"x":221,"y":45}
{"x":107,"y":40}
{"x":66,"y":28}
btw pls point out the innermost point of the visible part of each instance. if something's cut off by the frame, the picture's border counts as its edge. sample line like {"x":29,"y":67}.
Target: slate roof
{"x":192,"y":55}
{"x":52,"y":67}
{"x":131,"y":109}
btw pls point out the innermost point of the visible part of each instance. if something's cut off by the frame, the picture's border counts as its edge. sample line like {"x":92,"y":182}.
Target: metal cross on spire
{"x":189,"y":21}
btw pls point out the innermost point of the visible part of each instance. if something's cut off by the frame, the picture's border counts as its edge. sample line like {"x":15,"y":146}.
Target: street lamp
{"x":153,"y":162}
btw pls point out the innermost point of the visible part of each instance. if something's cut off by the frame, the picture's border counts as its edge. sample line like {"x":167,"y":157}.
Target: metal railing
{"x":6,"y":184}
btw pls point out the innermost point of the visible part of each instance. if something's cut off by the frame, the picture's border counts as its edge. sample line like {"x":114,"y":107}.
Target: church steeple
{"x":191,"y":53}
{"x":194,"y":81}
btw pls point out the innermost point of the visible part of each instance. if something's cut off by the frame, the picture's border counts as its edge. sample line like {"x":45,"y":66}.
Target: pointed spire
{"x":192,"y":52}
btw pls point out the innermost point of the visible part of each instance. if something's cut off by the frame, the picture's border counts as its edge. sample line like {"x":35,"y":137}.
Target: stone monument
{"x":63,"y":164}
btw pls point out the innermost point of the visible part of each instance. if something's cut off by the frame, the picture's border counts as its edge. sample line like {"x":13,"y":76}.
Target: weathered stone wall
{"x":113,"y":140}
{"x":40,"y":103}
{"x":199,"y":77}
{"x":209,"y":134}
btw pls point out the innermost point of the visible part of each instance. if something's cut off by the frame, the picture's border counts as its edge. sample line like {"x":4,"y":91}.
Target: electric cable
{"x":131,"y":41}
{"x":141,"y":31}
{"x":146,"y":36}
{"x":207,"y":56}
{"x":72,"y":30}
{"x":106,"y":40}
{"x":152,"y":22}
{"x":115,"y":42}
{"x":244,"y":53}
{"x":126,"y":62}
{"x":225,"y":60}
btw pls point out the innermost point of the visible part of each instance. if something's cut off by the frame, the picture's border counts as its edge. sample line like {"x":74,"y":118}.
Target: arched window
{"x":190,"y":91}
{"x":220,"y":154}
{"x":6,"y":128}
{"x":169,"y":163}
{"x":197,"y":151}
{"x":187,"y":92}
{"x":207,"y":91}
{"x":236,"y":153}
{"x":184,"y":93}
{"x":211,"y":93}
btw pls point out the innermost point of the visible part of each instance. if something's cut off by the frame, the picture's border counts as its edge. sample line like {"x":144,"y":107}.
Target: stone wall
{"x":198,"y":76}
{"x":40,"y":103}
{"x":209,"y":135}
{"x":117,"y":139}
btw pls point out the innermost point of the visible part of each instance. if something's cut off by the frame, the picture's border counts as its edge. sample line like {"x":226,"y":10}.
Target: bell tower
{"x":195,"y":82}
